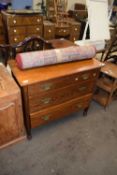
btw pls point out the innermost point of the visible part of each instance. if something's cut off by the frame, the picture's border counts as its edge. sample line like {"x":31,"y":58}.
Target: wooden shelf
{"x":101,"y":97}
{"x":106,"y":84}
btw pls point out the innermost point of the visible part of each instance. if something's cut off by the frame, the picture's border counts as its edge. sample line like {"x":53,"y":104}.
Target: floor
{"x":75,"y":145}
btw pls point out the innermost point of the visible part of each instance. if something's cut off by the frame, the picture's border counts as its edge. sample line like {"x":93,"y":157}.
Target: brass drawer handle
{"x":94,"y":74}
{"x":15,"y":30}
{"x":79,"y":105}
{"x":76,"y":79}
{"x":45,"y":117}
{"x":49,"y":31}
{"x":46,"y":100}
{"x":37,"y":29}
{"x":38,"y":20}
{"x":82,"y":88}
{"x":14,"y":21}
{"x":85,"y":77}
{"x":74,"y":38}
{"x":47,"y":86}
{"x":15,"y":39}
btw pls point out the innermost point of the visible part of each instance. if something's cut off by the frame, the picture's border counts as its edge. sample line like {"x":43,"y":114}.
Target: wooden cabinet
{"x":19,"y":26}
{"x":49,"y":30}
{"x":74,"y":30}
{"x":52,"y":92}
{"x":11,"y":117}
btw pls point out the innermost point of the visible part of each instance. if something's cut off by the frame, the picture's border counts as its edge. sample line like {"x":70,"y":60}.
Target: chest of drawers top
{"x":14,"y":19}
{"x":41,"y":74}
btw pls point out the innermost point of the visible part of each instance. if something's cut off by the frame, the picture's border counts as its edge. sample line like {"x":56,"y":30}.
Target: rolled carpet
{"x":54,"y":56}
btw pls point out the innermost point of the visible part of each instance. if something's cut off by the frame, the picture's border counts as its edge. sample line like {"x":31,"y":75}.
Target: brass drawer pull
{"x":37,"y":29}
{"x":79,"y":105}
{"x":49,"y":31}
{"x":45,"y":117}
{"x":47,"y":86}
{"x":14,"y":21}
{"x":85,"y":77}
{"x":15,"y":30}
{"x":15,"y":39}
{"x":82,"y":88}
{"x":76,"y":79}
{"x":94,"y":74}
{"x":46,"y":100}
{"x":38,"y":20}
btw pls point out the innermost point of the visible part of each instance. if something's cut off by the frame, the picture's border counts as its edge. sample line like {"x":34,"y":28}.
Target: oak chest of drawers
{"x":20,"y":26}
{"x":52,"y":92}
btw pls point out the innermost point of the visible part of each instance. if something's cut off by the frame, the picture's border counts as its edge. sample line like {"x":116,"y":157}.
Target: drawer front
{"x":75,"y":30}
{"x":49,"y":32}
{"x":73,"y":38}
{"x":34,"y":30}
{"x":59,"y":96}
{"x":17,"y":31}
{"x":50,"y":85}
{"x":24,"y":20}
{"x":59,"y":111}
{"x":62,"y":31}
{"x":16,"y":39}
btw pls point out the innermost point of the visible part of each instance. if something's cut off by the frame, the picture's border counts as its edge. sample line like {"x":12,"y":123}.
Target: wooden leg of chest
{"x":26,"y":111}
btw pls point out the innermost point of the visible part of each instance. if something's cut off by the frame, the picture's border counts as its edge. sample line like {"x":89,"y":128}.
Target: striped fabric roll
{"x":54,"y":56}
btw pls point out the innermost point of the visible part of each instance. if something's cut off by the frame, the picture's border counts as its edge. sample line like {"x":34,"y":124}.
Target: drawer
{"x":62,"y":31}
{"x":75,"y":30}
{"x":59,"y":111}
{"x":17,"y":31}
{"x":15,"y":20}
{"x":50,"y":85}
{"x":49,"y":32}
{"x":34,"y":30}
{"x":73,"y":38}
{"x":59,"y":96}
{"x":16,"y":39}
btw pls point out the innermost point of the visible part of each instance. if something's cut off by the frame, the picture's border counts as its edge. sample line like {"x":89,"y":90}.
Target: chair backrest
{"x":29,"y":44}
{"x":110,"y":52}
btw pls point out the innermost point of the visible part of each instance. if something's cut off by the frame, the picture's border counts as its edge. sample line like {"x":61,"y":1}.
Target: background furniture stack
{"x":20,"y":25}
{"x":11,"y":116}
{"x":65,"y":27}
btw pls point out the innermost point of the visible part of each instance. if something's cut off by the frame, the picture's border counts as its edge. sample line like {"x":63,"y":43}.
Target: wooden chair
{"x":110,"y":52}
{"x":106,"y":89}
{"x":29,"y":44}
